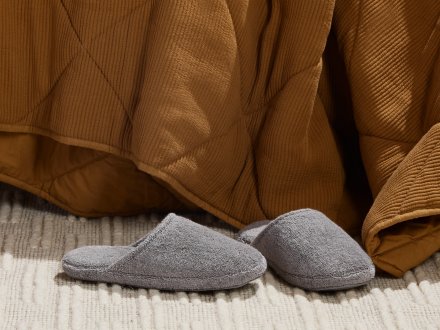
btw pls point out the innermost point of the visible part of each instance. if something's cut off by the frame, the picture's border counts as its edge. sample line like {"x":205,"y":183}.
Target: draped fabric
{"x":246,"y":109}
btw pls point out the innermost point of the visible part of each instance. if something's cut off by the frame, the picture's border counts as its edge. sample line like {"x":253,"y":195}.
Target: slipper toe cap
{"x":308,"y":250}
{"x":189,"y":256}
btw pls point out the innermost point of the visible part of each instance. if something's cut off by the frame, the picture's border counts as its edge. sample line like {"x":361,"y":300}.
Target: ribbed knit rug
{"x":35,"y":294}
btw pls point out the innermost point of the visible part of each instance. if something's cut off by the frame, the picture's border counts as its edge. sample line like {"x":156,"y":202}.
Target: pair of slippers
{"x":303,"y":247}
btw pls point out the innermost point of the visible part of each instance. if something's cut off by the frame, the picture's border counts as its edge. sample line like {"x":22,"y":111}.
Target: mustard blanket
{"x":244,"y":108}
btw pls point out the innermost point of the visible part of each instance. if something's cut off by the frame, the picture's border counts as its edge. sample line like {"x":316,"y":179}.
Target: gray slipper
{"x":178,"y":254}
{"x":310,"y":251}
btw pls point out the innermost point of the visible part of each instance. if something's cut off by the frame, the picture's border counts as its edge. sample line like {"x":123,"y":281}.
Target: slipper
{"x":310,"y":251}
{"x":178,"y":254}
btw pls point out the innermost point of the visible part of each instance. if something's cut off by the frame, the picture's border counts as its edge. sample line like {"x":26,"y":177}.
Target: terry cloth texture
{"x":178,"y":254}
{"x":245,"y":109}
{"x":308,"y":250}
{"x":248,"y":233}
{"x":36,"y":294}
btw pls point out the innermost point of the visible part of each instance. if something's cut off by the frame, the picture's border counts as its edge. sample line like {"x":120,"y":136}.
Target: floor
{"x":36,"y":294}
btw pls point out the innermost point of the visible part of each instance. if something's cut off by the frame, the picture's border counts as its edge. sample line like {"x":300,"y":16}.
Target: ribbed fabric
{"x":36,"y":294}
{"x":246,"y":109}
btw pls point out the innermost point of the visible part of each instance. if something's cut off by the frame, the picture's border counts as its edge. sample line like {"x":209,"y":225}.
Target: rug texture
{"x":36,"y":294}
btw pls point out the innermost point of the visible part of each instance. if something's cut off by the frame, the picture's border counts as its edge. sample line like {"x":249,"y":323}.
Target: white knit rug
{"x":35,"y":294}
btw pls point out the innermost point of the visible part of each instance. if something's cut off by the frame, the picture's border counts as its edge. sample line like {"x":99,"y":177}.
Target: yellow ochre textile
{"x":244,"y":108}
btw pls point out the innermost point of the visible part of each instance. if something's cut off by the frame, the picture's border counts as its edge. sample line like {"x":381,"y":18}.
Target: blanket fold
{"x":247,"y":109}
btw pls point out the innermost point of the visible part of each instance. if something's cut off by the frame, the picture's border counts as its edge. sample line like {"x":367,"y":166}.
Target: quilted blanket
{"x":244,"y":108}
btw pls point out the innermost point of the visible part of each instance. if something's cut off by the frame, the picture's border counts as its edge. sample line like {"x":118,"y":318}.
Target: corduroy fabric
{"x":246,"y":109}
